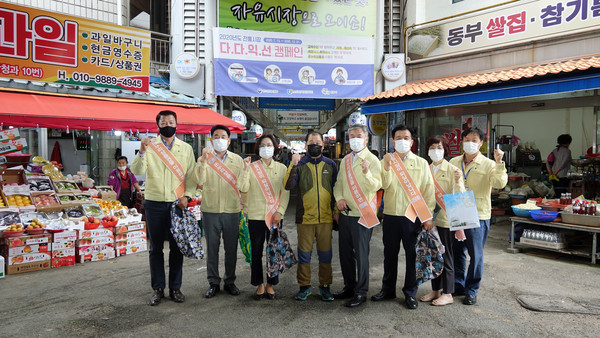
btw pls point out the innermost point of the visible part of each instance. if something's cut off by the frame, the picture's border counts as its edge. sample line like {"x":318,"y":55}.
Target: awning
{"x":47,"y":111}
{"x":500,"y":84}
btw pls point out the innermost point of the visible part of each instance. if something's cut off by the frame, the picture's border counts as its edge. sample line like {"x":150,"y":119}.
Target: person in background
{"x":359,"y":180}
{"x":218,"y":171}
{"x":165,"y":185}
{"x":314,"y":175}
{"x":261,"y":179}
{"x":448,"y":180}
{"x":402,"y":204}
{"x":561,"y":156}
{"x":480,"y":174}
{"x":124,"y":183}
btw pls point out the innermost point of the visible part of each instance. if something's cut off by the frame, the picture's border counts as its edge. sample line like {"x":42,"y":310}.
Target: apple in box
{"x":92,"y":220}
{"x":109,"y":218}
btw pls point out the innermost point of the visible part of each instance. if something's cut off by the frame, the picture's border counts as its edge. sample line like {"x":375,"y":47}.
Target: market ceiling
{"x":22,"y":109}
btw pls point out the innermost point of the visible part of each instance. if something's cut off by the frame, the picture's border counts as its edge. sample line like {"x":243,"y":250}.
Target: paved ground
{"x":110,"y":299}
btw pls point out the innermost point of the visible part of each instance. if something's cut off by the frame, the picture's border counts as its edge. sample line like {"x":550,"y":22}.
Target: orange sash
{"x":221,"y":169}
{"x":265,"y":185}
{"x":368,"y":217}
{"x":171,"y":162}
{"x":417,"y":206}
{"x":439,"y":192}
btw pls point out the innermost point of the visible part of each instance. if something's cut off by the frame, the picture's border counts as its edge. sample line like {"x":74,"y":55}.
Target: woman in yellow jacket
{"x":258,"y":209}
{"x":449,"y":179}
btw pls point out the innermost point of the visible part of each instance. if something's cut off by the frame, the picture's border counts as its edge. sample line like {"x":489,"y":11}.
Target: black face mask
{"x":314,"y":150}
{"x":167,"y":131}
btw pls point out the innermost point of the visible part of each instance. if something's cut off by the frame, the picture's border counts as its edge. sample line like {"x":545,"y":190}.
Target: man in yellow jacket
{"x":160,"y":193}
{"x":397,"y":227}
{"x":358,"y":180}
{"x":221,"y":208}
{"x":480,"y":175}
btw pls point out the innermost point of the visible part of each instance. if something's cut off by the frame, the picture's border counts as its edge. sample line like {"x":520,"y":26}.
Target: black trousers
{"x":158,"y":219}
{"x":259,"y":233}
{"x":398,"y":229}
{"x":354,"y":254}
{"x":445,"y":281}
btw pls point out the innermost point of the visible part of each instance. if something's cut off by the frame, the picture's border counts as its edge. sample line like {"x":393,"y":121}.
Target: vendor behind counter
{"x":559,"y":162}
{"x":124,"y":183}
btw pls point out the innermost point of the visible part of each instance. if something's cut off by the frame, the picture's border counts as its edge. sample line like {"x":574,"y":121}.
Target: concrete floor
{"x":110,"y":299}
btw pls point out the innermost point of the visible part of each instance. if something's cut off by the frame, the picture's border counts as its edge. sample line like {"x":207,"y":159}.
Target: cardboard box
{"x":94,"y":253}
{"x":12,"y":242}
{"x":106,"y":192}
{"x":28,"y":258}
{"x":40,"y":184}
{"x":29,"y":249}
{"x":57,"y":262}
{"x":2,"y":263}
{"x":121,"y":229}
{"x":68,"y":200}
{"x":83,"y":197}
{"x":64,"y":236}
{"x":63,"y":253}
{"x":131,"y":235}
{"x":10,"y":176}
{"x":52,"y":204}
{"x":100,"y":232}
{"x":128,"y":250}
{"x":66,"y":186}
{"x":28,"y":267}
{"x":130,"y":242}
{"x":9,"y":134}
{"x":95,"y":241}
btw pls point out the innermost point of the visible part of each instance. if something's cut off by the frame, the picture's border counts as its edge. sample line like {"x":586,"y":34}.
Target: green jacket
{"x":314,"y":179}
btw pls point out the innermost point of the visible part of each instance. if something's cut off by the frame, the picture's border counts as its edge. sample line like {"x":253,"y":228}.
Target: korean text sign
{"x":44,"y":46}
{"x":518,"y":22}
{"x":270,"y":64}
{"x":350,"y":18}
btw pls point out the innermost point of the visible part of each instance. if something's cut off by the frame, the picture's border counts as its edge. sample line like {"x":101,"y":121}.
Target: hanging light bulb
{"x":89,"y":131}
{"x":37,"y":127}
{"x":68,"y":130}
{"x":192,"y":134}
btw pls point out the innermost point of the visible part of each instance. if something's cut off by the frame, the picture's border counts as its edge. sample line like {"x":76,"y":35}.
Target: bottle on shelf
{"x":562,"y":198}
{"x":592,"y":208}
{"x":569,"y":199}
{"x":576,"y":207}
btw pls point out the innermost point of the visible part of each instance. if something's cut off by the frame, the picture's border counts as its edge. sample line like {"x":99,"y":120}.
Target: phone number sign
{"x":43,"y":46}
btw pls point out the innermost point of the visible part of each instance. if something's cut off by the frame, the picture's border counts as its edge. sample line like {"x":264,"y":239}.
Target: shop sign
{"x":349,"y":18}
{"x":258,"y":130}
{"x":287,"y":103}
{"x":298,"y":117}
{"x":239,"y":117}
{"x":38,"y":45}
{"x":270,"y":64}
{"x":518,"y":22}
{"x":186,"y":65}
{"x":377,"y":123}
{"x":392,"y":68}
{"x":357,"y":118}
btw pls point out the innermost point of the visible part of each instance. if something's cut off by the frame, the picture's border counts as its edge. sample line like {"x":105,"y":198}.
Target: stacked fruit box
{"x":130,"y":238}
{"x":63,"y":248}
{"x":95,"y":245}
{"x":27,"y":253}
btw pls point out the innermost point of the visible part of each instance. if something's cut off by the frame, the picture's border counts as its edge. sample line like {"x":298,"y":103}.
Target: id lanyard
{"x":462,"y":165}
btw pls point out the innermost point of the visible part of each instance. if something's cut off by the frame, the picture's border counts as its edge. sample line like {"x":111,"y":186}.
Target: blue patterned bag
{"x":186,"y":232}
{"x":280,"y":255}
{"x":430,"y":259}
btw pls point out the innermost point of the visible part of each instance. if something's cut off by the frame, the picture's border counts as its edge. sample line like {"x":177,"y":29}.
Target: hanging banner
{"x":298,"y":117}
{"x":348,"y":18}
{"x":268,"y":64}
{"x":38,"y":45}
{"x":517,"y":22}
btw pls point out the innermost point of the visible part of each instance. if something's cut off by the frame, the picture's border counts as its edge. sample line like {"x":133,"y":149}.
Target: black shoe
{"x":411,"y":302}
{"x":270,"y":296}
{"x":257,"y":296}
{"x":176,"y":295}
{"x":356,"y":301}
{"x":470,"y":300}
{"x":344,"y":294}
{"x":156,"y":297}
{"x":232,"y":289}
{"x":382,"y":295}
{"x":212,"y":290}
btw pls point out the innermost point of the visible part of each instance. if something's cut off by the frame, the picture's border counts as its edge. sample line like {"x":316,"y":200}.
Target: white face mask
{"x":402,"y":146}
{"x":470,"y":147}
{"x":357,"y":144}
{"x":122,"y":168}
{"x":436,"y":154}
{"x":219,"y":144}
{"x":266,"y":152}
